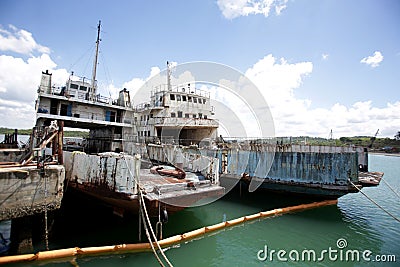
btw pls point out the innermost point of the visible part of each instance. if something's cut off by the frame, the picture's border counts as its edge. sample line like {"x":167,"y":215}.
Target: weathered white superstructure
{"x":108,"y":119}
{"x":179,"y":115}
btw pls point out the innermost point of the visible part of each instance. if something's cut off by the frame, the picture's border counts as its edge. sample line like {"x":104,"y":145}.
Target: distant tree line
{"x":365,"y":141}
{"x":372,"y":142}
{"x":29,"y":131}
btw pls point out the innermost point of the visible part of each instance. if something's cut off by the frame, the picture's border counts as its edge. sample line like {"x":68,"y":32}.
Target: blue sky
{"x":321,"y":64}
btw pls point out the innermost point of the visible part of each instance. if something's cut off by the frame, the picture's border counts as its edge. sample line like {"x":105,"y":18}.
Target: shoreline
{"x":385,"y":154}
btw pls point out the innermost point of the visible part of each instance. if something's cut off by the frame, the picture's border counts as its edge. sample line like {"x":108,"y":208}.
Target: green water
{"x":355,"y":219}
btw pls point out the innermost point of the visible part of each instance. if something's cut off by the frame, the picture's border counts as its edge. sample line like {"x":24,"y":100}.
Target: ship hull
{"x":119,"y":202}
{"x":123,"y":204}
{"x":290,"y":188}
{"x":114,"y":179}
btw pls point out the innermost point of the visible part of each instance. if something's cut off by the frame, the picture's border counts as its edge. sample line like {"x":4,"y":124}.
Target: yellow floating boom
{"x":141,"y":247}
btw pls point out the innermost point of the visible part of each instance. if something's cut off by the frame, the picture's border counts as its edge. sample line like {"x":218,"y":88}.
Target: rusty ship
{"x":170,"y":130}
{"x":111,"y":167}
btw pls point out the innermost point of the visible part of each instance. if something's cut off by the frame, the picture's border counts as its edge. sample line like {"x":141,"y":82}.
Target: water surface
{"x":355,"y":221}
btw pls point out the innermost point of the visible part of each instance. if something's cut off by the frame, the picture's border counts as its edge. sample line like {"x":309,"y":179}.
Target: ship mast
{"x":93,"y":87}
{"x":168,"y":77}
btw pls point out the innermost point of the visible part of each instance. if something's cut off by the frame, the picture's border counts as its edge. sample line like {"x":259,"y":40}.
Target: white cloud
{"x":19,"y":80}
{"x":20,"y":77}
{"x":277,"y":79}
{"x":19,"y":41}
{"x":373,"y":60}
{"x":134,"y":84}
{"x":294,"y":117}
{"x":235,"y":8}
{"x":16,"y":114}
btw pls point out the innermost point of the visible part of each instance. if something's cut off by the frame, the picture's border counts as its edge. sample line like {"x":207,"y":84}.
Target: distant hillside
{"x":377,"y":144}
{"x":29,"y":131}
{"x":365,"y":141}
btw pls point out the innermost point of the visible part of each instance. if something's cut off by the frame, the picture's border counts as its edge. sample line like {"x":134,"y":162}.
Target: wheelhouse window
{"x":172,"y":96}
{"x":83,"y":88}
{"x":183,"y":98}
{"x":189,"y":99}
{"x":173,"y":114}
{"x":194,"y":100}
{"x":179,"y":114}
{"x":74,"y":86}
{"x":186,"y":115}
{"x":178,"y":97}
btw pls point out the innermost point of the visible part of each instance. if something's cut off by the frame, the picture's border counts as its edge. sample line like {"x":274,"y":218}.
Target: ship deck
{"x":370,"y":178}
{"x":177,"y":192}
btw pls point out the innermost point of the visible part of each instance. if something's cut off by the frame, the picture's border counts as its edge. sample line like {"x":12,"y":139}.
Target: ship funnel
{"x":45,"y":83}
{"x":124,"y":98}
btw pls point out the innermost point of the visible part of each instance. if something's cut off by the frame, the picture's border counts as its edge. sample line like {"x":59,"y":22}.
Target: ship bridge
{"x":78,"y":106}
{"x":74,"y":105}
{"x":180,"y":114}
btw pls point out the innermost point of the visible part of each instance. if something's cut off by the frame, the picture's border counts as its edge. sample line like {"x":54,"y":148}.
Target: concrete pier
{"x":23,"y":190}
{"x":26,"y":193}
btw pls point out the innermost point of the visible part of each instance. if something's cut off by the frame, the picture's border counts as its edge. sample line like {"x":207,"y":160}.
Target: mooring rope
{"x":379,"y":206}
{"x":148,"y":225}
{"x":46,"y":229}
{"x":391,"y":188}
{"x":151,"y":229}
{"x":147,"y":233}
{"x":143,"y":210}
